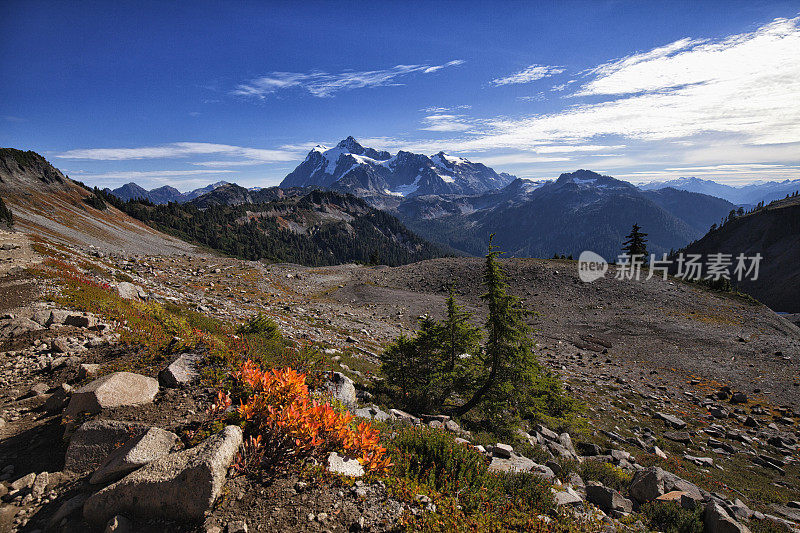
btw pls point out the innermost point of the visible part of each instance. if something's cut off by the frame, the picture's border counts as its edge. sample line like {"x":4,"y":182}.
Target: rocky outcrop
{"x":94,"y":440}
{"x":135,"y":453}
{"x":179,"y":486}
{"x":342,"y":389}
{"x":182,"y":371}
{"x":114,"y":390}
{"x":650,"y":483}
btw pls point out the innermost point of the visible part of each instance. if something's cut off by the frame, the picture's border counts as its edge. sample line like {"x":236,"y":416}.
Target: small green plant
{"x":767,"y":526}
{"x":6,"y":217}
{"x":607,"y":474}
{"x":528,"y":491}
{"x":435,"y":459}
{"x":260,"y":324}
{"x":670,"y":517}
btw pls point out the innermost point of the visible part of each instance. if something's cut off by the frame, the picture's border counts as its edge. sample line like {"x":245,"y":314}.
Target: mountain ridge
{"x":350,"y":167}
{"x":746,"y":195}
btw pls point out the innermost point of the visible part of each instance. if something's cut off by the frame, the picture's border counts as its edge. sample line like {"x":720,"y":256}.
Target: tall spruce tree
{"x":636,"y":243}
{"x":515,"y":386}
{"x":6,"y":217}
{"x":504,"y":379}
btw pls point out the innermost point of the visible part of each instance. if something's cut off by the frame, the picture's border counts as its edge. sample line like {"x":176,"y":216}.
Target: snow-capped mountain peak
{"x":351,"y":167}
{"x":448,"y":161}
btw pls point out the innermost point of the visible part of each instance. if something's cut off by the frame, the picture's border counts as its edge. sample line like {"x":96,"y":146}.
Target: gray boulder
{"x":17,"y":326}
{"x":114,"y":390}
{"x":94,"y":440}
{"x":567,"y":497}
{"x":135,"y":453}
{"x":717,"y":520}
{"x":130,"y":291}
{"x":179,"y":486}
{"x":182,"y":371}
{"x":607,"y":499}
{"x":513,"y":463}
{"x":342,"y":389}
{"x":671,"y":420}
{"x":397,"y":414}
{"x":502,"y":450}
{"x":372,"y":412}
{"x":652,"y":482}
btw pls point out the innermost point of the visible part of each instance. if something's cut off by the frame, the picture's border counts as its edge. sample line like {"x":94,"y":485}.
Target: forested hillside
{"x":320,"y":228}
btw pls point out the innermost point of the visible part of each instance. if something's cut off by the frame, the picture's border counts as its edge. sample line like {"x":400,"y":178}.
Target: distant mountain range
{"x":773,"y":232}
{"x":458,"y":203}
{"x":365,"y":172}
{"x":579,"y":211}
{"x":746,"y":195}
{"x":161,"y":195}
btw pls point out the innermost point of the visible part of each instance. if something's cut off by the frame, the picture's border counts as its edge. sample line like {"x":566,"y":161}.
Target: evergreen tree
{"x":636,"y":243}
{"x":505,"y":379}
{"x":458,"y":337}
{"x":515,"y":385}
{"x":5,"y":215}
{"x":414,"y":367}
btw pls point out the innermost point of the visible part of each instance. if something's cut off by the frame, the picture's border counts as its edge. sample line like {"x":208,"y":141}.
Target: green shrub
{"x":607,"y":474}
{"x":95,"y":201}
{"x":670,"y":517}
{"x":528,"y":492}
{"x":767,"y":526}
{"x":5,"y":214}
{"x":435,"y":459}
{"x":535,"y":452}
{"x":259,"y":324}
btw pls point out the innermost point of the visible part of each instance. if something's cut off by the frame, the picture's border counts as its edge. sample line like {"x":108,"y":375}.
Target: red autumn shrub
{"x":279,"y":408}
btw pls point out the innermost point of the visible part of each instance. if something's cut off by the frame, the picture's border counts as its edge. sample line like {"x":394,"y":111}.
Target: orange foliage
{"x":280,"y":403}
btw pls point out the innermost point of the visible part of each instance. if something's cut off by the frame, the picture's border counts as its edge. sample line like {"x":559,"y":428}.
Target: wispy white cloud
{"x":528,"y":74}
{"x":322,"y":84}
{"x":182,"y":150}
{"x":438,"y":109}
{"x":691,"y":102}
{"x":520,"y":159}
{"x":538,"y":97}
{"x":453,"y":63}
{"x":443,"y":122}
{"x":146,"y":174}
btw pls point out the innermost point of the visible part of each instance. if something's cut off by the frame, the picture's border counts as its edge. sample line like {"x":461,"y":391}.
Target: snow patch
{"x":405,"y":190}
{"x":441,"y":159}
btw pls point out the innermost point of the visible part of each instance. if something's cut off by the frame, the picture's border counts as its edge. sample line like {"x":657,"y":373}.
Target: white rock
{"x":344,"y":465}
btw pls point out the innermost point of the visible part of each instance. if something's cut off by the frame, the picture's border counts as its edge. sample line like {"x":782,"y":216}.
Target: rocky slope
{"x":47,"y":203}
{"x":773,"y":232}
{"x":690,"y":396}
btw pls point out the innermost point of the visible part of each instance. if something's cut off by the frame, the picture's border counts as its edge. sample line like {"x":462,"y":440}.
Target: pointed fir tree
{"x":515,"y":385}
{"x":5,"y":215}
{"x":636,"y":243}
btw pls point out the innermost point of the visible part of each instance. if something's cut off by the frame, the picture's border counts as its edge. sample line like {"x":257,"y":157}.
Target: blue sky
{"x":194,"y":92}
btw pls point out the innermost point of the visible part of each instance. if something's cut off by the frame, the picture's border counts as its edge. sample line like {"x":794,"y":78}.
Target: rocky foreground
{"x":690,"y":397}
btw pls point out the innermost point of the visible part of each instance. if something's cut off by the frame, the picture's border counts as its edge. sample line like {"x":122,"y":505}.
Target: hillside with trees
{"x":315,"y":229}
